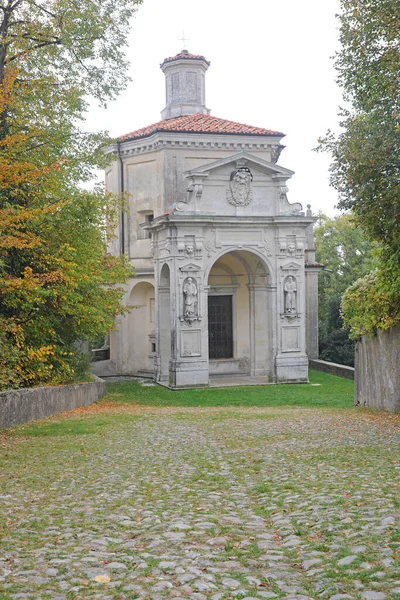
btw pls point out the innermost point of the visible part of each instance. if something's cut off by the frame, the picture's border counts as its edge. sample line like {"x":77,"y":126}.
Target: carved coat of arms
{"x":239,"y":192}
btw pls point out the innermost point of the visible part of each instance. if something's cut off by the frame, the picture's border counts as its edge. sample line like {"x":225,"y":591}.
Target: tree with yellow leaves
{"x":57,"y":284}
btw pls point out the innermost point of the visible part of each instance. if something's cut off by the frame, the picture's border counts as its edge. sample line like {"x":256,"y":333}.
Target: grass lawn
{"x":324,"y":390}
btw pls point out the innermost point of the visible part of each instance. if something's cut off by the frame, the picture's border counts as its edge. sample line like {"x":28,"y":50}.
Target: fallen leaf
{"x":102,"y":579}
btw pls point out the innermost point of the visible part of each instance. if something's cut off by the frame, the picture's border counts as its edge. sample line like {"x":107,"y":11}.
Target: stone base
{"x":228,"y":366}
{"x":186,"y":375}
{"x":292,"y":368}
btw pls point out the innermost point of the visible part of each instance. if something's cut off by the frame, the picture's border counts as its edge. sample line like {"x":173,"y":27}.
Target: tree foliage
{"x":347,"y":256}
{"x":57,"y":284}
{"x":366,"y":155}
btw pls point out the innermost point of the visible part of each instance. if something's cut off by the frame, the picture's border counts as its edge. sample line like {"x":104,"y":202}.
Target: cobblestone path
{"x":204,"y":504}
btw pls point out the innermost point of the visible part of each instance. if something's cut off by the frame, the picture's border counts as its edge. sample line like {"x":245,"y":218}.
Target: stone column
{"x":260,"y":323}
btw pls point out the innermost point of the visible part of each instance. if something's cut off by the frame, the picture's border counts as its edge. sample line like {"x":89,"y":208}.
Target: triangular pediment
{"x":190,"y":267}
{"x":290,"y":266}
{"x":240,"y":158}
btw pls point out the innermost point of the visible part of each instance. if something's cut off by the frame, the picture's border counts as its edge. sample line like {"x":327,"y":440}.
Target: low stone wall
{"x":377,"y":381}
{"x":332,"y":368}
{"x":24,"y":405}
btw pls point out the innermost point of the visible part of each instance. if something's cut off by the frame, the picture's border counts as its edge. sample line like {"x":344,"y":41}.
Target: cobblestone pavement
{"x":205,"y":504}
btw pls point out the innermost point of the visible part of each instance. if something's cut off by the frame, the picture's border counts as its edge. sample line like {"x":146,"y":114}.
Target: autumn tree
{"x":57,"y":284}
{"x":366,"y":155}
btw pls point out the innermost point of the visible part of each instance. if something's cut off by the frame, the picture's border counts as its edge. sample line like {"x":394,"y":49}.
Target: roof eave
{"x":188,"y":132}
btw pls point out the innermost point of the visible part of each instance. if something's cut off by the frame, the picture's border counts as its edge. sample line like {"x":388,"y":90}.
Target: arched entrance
{"x":240,"y":322}
{"x":141,"y":323}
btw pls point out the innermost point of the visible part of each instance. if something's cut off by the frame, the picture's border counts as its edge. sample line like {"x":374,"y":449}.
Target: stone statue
{"x":290,"y":289}
{"x":190,"y":295}
{"x":239,"y":192}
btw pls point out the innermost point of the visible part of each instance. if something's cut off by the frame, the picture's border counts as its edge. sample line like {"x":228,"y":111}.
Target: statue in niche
{"x":290,"y":289}
{"x":190,"y":297}
{"x":239,"y":192}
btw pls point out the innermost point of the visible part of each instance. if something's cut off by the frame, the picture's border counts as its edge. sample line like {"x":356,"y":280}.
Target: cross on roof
{"x":183,"y":39}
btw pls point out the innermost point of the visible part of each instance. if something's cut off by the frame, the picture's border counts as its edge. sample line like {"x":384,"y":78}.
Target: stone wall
{"x":332,"y":368}
{"x":377,"y":372}
{"x":24,"y":405}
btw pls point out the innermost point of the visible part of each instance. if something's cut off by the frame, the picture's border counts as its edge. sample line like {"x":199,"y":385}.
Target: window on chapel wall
{"x":144,"y":216}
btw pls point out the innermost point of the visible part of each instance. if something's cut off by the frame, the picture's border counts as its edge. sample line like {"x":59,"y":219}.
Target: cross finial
{"x":183,"y":39}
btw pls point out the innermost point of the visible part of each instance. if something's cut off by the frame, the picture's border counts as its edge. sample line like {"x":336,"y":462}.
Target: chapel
{"x":226,"y":279}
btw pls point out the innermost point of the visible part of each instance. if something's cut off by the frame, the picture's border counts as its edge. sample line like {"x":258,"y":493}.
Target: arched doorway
{"x":141,"y":323}
{"x":240,"y":323}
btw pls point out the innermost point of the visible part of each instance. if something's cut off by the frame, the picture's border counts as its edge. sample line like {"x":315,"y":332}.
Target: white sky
{"x":270,"y":67}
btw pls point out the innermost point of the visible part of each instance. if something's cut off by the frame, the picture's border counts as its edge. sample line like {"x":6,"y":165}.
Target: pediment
{"x":240,"y":159}
{"x":190,"y":267}
{"x":291,"y":266}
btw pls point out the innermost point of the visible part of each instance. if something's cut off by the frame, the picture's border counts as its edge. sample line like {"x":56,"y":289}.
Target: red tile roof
{"x":199,"y":123}
{"x":185,"y":55}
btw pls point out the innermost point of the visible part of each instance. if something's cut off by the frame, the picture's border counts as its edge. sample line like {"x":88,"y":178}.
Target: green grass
{"x":67,"y":427}
{"x":332,"y":392}
{"x":62,"y":426}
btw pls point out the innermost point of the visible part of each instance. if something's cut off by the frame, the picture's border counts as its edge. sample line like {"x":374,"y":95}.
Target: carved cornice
{"x":145,"y":146}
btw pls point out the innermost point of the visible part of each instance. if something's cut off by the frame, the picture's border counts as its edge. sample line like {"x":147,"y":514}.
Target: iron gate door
{"x":220,"y":328}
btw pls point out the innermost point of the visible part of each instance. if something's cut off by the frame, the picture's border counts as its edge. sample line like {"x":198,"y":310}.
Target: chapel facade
{"x":226,"y":279}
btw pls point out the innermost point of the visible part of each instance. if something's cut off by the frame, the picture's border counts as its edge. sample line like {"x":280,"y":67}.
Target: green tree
{"x":57,"y":284}
{"x":366,"y":154}
{"x":347,"y":256}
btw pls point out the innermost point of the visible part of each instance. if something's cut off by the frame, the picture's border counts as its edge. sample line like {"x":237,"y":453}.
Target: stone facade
{"x":226,"y":278}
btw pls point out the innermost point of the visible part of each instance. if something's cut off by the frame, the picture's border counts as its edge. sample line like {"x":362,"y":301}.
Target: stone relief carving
{"x":291,"y":247}
{"x":189,"y":248}
{"x":283,"y":192}
{"x":267,"y":247}
{"x":239,"y":191}
{"x":290,"y":295}
{"x":194,"y":190}
{"x":210,"y":244}
{"x":190,"y":300}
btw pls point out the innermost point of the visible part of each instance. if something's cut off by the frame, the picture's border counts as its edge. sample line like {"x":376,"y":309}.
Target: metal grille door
{"x":220,"y":330}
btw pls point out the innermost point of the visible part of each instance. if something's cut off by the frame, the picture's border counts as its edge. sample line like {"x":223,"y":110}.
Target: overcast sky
{"x":271,"y":67}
